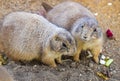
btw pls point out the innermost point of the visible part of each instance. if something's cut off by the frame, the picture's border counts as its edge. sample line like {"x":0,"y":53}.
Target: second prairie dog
{"x":4,"y":75}
{"x":26,"y":36}
{"x":81,"y":23}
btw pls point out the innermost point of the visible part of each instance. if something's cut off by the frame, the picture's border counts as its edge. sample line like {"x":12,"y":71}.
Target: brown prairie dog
{"x":4,"y":75}
{"x":81,"y":23}
{"x":26,"y":36}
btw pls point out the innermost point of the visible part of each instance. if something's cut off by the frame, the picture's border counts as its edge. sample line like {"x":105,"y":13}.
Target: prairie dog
{"x":4,"y":75}
{"x":81,"y":23}
{"x":26,"y":36}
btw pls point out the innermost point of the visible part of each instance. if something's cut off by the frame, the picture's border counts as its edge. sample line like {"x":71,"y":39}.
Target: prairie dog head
{"x":86,"y":28}
{"x":63,"y":43}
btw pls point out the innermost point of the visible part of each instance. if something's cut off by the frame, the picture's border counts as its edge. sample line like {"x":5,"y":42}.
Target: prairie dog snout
{"x":86,"y":28}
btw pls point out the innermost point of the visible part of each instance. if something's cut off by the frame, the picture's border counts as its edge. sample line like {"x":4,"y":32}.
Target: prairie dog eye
{"x":82,"y":26}
{"x":95,"y":30}
{"x":64,"y":45}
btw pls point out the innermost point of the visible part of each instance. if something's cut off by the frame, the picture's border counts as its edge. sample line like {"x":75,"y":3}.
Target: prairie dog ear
{"x":61,"y":42}
{"x":57,"y":38}
{"x":46,"y":6}
{"x":55,"y":43}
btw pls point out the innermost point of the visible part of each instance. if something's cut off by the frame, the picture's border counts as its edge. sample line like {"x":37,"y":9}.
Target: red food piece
{"x":109,"y":33}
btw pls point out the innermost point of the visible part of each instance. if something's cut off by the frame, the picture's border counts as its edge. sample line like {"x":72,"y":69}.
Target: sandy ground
{"x":108,"y":16}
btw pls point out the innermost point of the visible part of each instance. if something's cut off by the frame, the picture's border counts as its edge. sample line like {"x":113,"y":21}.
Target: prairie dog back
{"x":66,"y":13}
{"x":27,"y":36}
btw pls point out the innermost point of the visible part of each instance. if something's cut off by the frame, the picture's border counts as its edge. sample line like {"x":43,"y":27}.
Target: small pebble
{"x":95,"y":14}
{"x":72,"y":65}
{"x":61,"y":70}
{"x":35,"y":66}
{"x":91,"y":65}
{"x":114,"y":71}
{"x":80,"y":74}
{"x":109,"y":4}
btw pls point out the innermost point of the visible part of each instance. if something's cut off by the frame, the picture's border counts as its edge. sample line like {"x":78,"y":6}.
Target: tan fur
{"x":73,"y":17}
{"x":4,"y":75}
{"x":27,"y":36}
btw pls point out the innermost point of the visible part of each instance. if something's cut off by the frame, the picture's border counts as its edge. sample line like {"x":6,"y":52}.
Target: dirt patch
{"x":108,"y":15}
